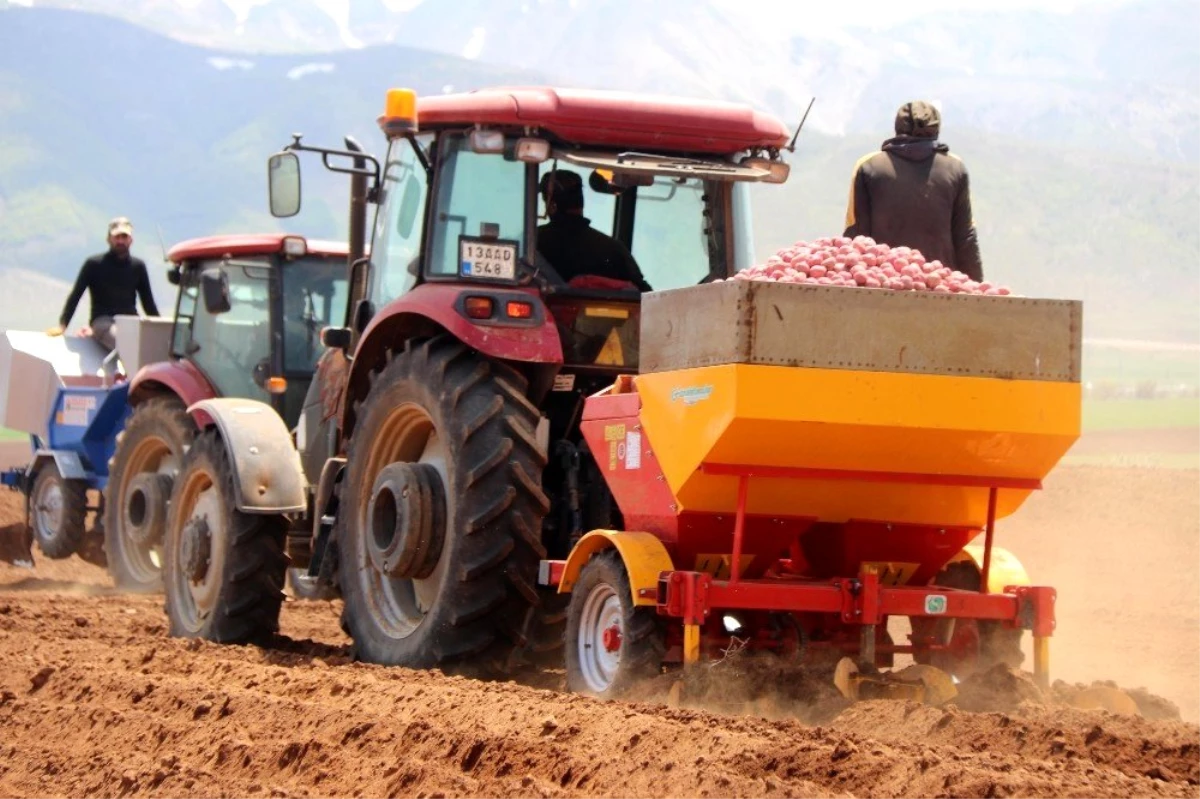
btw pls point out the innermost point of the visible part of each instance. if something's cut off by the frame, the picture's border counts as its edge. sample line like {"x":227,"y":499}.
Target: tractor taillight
{"x":276,"y":385}
{"x":519,"y":310}
{"x":478,"y":307}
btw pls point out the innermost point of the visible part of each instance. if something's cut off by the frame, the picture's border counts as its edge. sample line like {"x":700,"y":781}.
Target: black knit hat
{"x":919,"y":119}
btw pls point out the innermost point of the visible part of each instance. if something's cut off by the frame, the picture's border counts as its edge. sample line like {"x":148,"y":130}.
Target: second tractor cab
{"x":248,"y":316}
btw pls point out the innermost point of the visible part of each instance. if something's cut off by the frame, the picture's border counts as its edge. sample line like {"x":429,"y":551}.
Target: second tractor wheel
{"x":223,"y":569}
{"x":149,"y":452}
{"x":439,"y":537}
{"x":58,"y":512}
{"x":611,"y":643}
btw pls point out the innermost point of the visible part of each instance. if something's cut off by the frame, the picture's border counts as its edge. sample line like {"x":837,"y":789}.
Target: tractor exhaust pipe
{"x":358,"y":204}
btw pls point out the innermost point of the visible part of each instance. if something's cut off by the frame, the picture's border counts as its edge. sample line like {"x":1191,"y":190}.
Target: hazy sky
{"x":799,"y":14}
{"x":886,"y":12}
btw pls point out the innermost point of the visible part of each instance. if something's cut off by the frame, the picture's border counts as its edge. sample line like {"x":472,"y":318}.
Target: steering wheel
{"x":541,"y":273}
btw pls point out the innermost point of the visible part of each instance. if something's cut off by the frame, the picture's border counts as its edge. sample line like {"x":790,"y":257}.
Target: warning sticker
{"x":614,"y":434}
{"x":935,"y":604}
{"x":633,"y":450}
{"x":73,"y":418}
{"x":75,"y":410}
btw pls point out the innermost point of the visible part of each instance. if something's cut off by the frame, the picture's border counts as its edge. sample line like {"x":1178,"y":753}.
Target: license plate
{"x":493,"y":260}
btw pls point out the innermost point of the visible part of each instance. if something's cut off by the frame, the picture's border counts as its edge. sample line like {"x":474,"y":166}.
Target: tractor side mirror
{"x":214,"y":285}
{"x":283,"y":184}
{"x":173,"y":276}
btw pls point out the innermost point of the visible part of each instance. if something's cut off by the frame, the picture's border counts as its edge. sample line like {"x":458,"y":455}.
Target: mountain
{"x":1117,"y":77}
{"x":100,"y":117}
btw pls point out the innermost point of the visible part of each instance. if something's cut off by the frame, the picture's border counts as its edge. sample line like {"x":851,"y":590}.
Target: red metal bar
{"x":739,"y":528}
{"x":915,"y":478}
{"x":844,"y":598}
{"x":989,"y":534}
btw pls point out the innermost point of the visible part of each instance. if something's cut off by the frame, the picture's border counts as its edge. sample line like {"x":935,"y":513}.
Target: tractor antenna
{"x":161,"y":242}
{"x":792,"y":144}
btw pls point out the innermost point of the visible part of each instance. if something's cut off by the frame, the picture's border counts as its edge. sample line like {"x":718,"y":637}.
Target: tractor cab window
{"x":474,"y":190}
{"x":669,"y":212}
{"x":314,"y":296}
{"x":228,"y":347}
{"x":670,"y":232}
{"x":396,"y":248}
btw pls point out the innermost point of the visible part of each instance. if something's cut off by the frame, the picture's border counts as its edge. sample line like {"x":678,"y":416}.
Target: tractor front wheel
{"x":58,"y":512}
{"x":141,"y":473}
{"x":223,"y":569}
{"x":611,"y":643}
{"x":439,"y":534}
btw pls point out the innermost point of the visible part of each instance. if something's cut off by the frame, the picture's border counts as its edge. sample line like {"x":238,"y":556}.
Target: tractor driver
{"x":569,"y":242}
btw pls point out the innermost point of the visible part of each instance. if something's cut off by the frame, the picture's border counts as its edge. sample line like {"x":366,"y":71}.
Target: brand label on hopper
{"x":692,"y":394}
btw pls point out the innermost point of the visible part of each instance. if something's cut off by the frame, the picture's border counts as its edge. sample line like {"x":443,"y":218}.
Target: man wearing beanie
{"x":114,"y":280}
{"x":914,"y":193}
{"x":569,"y":242}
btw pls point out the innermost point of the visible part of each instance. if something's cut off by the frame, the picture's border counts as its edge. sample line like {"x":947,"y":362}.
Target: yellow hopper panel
{"x":844,"y":419}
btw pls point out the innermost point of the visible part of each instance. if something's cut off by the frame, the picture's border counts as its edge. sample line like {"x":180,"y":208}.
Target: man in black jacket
{"x":914,"y":193}
{"x":570,"y":243}
{"x":114,"y":280}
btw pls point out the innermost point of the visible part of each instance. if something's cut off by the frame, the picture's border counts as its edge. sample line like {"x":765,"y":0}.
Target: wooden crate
{"x":757,"y":322}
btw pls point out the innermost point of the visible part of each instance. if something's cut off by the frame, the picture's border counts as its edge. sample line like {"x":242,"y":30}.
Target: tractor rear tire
{"x":223,"y":570}
{"x":611,"y":644}
{"x":454,"y":430}
{"x":58,"y":512}
{"x":153,"y":443}
{"x":974,"y":645}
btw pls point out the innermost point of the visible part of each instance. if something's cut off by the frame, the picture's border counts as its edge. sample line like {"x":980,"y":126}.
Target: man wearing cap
{"x":914,"y":193}
{"x":114,"y":280}
{"x":569,"y":242}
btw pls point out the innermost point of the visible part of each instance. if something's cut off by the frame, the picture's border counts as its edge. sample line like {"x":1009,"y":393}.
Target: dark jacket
{"x":573,"y":247}
{"x":114,"y":283}
{"x":914,"y":193}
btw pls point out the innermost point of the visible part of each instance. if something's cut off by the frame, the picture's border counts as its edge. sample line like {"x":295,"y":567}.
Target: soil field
{"x":96,"y":699}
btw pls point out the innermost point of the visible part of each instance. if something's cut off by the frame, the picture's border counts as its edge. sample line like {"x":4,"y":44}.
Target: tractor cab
{"x":459,"y":203}
{"x":250,"y":311}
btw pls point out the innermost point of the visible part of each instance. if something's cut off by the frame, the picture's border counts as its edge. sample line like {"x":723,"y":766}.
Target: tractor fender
{"x":643,"y":554}
{"x":267,"y":474}
{"x":69,"y":464}
{"x":1005,"y":570}
{"x":179,"y":377}
{"x":430,"y":309}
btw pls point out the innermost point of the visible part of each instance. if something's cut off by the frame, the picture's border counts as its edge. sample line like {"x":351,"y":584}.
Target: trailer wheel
{"x":611,"y":643}
{"x":223,"y":569}
{"x":147,"y":459}
{"x":973,"y":645}
{"x":58,"y":512}
{"x":439,"y":537}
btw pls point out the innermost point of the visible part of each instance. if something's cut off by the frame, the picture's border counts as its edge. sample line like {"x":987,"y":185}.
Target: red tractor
{"x":248,"y":317}
{"x":456,"y":389}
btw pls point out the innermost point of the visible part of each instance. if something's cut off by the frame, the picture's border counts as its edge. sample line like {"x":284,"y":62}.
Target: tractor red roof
{"x":611,"y":119}
{"x":252,"y":244}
